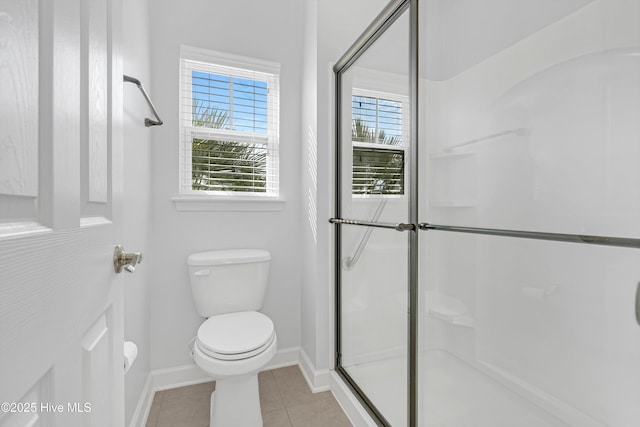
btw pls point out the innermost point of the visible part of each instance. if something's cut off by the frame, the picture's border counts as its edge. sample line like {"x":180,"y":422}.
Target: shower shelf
{"x":449,"y":309}
{"x":460,"y":320}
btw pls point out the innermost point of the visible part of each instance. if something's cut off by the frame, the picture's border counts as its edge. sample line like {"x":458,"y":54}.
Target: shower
{"x":486,"y":225}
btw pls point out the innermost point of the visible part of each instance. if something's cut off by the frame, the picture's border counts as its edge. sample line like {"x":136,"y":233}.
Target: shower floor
{"x":451,"y":394}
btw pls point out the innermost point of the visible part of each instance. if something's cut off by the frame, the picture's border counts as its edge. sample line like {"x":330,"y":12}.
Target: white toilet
{"x":236,"y":341}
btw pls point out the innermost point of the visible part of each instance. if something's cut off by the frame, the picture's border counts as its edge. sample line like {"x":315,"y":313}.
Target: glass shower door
{"x":372,"y":215}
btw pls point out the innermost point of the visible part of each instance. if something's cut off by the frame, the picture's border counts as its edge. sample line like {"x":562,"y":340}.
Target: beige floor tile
{"x":190,"y":390}
{"x":270,"y":398}
{"x":180,"y":423}
{"x":173,"y":415}
{"x":190,"y":408}
{"x":202,"y":412}
{"x":322,"y":412}
{"x":154,"y":412}
{"x":277,"y":418}
{"x":190,"y":401}
{"x":292,"y":386}
{"x":285,"y":399}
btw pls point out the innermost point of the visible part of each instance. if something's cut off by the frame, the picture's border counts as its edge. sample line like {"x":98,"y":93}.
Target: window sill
{"x":185,"y":202}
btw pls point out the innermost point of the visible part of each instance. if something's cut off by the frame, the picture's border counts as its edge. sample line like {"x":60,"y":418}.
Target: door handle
{"x":125,"y":260}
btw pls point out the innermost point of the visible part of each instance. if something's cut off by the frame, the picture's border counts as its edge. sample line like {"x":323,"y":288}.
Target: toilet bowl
{"x":236,"y":341}
{"x":232,"y":349}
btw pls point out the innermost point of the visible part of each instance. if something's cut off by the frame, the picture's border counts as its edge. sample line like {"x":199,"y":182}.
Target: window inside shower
{"x":380,"y":137}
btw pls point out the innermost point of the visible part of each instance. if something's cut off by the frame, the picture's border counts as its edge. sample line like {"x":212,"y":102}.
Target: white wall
{"x":309,"y":184}
{"x":264,"y":30}
{"x":137,"y":197}
{"x":337,"y":25}
{"x":456,"y":35}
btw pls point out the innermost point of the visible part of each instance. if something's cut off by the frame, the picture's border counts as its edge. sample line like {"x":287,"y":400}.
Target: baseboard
{"x":141,"y":413}
{"x":317,"y":380}
{"x":285,"y":357}
{"x":349,"y":403}
{"x":178,"y":376}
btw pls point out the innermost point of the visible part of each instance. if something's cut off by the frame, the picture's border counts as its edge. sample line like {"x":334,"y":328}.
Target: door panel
{"x":19,"y":44}
{"x":374,"y":188}
{"x":60,"y":303}
{"x":374,"y":318}
{"x":95,"y":86}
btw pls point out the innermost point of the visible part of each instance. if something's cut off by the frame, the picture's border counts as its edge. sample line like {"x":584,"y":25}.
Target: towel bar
{"x":147,"y":121}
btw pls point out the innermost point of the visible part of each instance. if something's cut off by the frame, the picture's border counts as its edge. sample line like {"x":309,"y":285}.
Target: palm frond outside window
{"x":377,"y":134}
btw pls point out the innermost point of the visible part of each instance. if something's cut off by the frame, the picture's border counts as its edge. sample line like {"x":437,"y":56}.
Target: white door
{"x":61,"y":326}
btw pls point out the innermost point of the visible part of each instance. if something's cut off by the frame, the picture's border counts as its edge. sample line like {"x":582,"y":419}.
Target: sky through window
{"x":243,"y":100}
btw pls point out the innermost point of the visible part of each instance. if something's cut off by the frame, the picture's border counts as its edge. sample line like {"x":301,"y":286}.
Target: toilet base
{"x":236,"y":402}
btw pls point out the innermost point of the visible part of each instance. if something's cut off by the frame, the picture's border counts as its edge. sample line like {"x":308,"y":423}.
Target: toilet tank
{"x":228,"y":281}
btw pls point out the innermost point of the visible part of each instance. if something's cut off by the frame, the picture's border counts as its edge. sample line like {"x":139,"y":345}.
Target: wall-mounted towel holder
{"x":147,"y":121}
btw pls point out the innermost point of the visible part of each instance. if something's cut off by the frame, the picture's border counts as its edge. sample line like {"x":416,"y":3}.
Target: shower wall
{"x":530,"y":122}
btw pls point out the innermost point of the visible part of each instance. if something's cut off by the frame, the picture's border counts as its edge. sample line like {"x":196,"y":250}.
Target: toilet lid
{"x":235,"y":333}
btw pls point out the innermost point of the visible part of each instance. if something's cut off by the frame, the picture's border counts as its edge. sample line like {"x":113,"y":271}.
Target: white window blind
{"x":229,"y":125}
{"x":379,"y":136}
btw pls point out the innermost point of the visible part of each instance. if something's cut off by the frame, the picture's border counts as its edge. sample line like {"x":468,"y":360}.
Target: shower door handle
{"x":399,"y":226}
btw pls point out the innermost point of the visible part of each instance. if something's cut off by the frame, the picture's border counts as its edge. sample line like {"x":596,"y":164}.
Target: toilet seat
{"x":235,"y":336}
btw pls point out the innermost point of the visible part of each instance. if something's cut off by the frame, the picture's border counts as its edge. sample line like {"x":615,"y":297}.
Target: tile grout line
{"x":284,"y":404}
{"x":286,"y":410}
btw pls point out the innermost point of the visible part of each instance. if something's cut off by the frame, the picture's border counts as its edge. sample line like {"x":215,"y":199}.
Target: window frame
{"x":405,"y":106}
{"x":234,"y":66}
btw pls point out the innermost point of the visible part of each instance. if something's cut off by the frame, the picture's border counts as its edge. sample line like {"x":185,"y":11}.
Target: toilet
{"x":235,"y":341}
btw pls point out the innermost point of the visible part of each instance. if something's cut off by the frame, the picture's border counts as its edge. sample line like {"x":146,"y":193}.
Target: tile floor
{"x":284,"y":396}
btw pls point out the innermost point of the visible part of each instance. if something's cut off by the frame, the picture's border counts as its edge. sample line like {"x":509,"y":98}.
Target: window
{"x":379,"y":134}
{"x":229,"y":125}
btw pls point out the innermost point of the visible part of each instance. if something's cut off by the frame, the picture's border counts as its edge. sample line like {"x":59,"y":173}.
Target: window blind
{"x":378,"y":136}
{"x":229,"y":129}
{"x":378,"y":171}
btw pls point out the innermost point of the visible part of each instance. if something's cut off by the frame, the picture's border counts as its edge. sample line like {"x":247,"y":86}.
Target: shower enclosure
{"x":488,"y":214}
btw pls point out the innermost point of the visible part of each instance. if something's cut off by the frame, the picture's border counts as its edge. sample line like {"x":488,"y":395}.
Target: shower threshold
{"x":452,"y":393}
